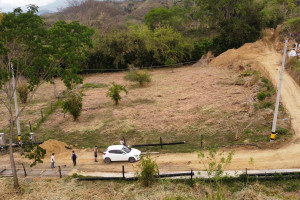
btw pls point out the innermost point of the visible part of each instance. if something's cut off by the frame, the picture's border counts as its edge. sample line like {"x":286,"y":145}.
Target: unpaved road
{"x":259,"y":54}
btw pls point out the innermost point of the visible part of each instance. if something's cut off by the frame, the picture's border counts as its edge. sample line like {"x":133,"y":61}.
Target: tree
{"x":38,"y":54}
{"x":1,"y":16}
{"x":73,"y":104}
{"x":114,"y":92}
{"x":168,"y":46}
{"x":292,"y":29}
{"x":125,"y":47}
{"x":176,"y":17}
{"x":23,"y":92}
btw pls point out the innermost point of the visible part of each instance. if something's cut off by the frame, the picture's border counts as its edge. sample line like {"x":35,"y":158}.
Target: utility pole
{"x":16,"y":103}
{"x":273,"y":134}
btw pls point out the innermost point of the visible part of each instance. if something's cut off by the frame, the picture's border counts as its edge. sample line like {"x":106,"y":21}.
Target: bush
{"x":23,"y":92}
{"x":267,"y":105}
{"x":72,"y":104}
{"x":261,"y":96}
{"x":149,"y":171}
{"x":140,"y":76}
{"x":114,"y":92}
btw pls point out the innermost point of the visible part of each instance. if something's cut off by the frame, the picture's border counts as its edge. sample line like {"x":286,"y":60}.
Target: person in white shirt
{"x":52,"y":161}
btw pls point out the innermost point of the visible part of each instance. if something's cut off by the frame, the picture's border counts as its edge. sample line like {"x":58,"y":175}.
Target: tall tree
{"x":38,"y":54}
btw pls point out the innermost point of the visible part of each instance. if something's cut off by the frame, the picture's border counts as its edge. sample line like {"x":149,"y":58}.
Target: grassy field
{"x":178,"y":105}
{"x":69,"y":188}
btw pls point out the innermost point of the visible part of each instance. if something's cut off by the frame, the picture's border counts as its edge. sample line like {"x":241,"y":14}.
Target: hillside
{"x":106,"y":14}
{"x":218,"y":92}
{"x":179,"y":104}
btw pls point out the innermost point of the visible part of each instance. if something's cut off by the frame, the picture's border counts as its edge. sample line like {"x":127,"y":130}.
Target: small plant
{"x":261,"y":96}
{"x":149,"y":171}
{"x":72,"y":104}
{"x":140,"y":76}
{"x":114,"y":92}
{"x":215,"y":163}
{"x":251,"y":161}
{"x":282,"y":131}
{"x":247,"y":72}
{"x":23,"y":92}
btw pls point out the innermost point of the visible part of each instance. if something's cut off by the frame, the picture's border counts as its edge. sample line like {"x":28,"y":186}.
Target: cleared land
{"x":178,"y":105}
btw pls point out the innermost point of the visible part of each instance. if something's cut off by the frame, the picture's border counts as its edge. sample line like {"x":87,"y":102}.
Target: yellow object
{"x":19,"y":138}
{"x":273,"y":135}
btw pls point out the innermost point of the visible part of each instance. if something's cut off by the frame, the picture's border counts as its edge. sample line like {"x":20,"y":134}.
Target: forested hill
{"x":147,"y":33}
{"x":104,"y":15}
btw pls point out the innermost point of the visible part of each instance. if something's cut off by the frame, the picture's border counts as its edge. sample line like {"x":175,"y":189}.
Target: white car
{"x":121,"y":153}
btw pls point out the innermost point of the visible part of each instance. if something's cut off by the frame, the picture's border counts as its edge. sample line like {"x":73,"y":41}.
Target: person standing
{"x":96,"y":153}
{"x":74,"y":157}
{"x":52,"y":161}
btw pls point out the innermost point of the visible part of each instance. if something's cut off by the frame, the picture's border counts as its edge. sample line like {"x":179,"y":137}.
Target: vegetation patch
{"x":87,"y":86}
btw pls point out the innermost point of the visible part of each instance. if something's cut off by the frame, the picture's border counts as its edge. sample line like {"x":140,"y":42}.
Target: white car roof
{"x":115,"y":147}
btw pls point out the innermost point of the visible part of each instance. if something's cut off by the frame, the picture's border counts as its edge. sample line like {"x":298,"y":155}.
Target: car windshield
{"x":126,"y":149}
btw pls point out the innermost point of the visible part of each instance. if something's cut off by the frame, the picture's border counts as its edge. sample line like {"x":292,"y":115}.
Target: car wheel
{"x":131,"y":159}
{"x":107,"y":160}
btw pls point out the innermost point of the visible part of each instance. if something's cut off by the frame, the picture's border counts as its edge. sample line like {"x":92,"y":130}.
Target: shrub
{"x":114,"y":92}
{"x":140,"y":76}
{"x":72,"y":104}
{"x":267,"y":105}
{"x":149,"y":171}
{"x":261,"y":96}
{"x":23,"y":92}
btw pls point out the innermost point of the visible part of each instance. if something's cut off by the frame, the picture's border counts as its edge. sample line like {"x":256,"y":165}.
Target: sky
{"x":9,"y":5}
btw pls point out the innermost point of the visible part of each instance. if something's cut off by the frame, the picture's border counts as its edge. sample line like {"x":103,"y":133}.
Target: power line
{"x":157,"y":66}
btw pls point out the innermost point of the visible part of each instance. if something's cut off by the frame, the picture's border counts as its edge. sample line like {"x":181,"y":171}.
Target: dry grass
{"x":178,"y":105}
{"x":63,"y":189}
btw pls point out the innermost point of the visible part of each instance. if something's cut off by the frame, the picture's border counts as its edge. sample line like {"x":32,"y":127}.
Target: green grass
{"x":87,"y":86}
{"x":263,"y":105}
{"x":105,"y":136}
{"x":112,"y":129}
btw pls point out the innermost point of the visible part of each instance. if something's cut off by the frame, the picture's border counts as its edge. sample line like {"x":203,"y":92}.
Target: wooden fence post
{"x":161,"y":146}
{"x":42,"y":115}
{"x":123,"y":171}
{"x":124,"y":140}
{"x":30,"y":126}
{"x":59,"y":170}
{"x":191,"y":174}
{"x":201,"y":141}
{"x":25,"y":174}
